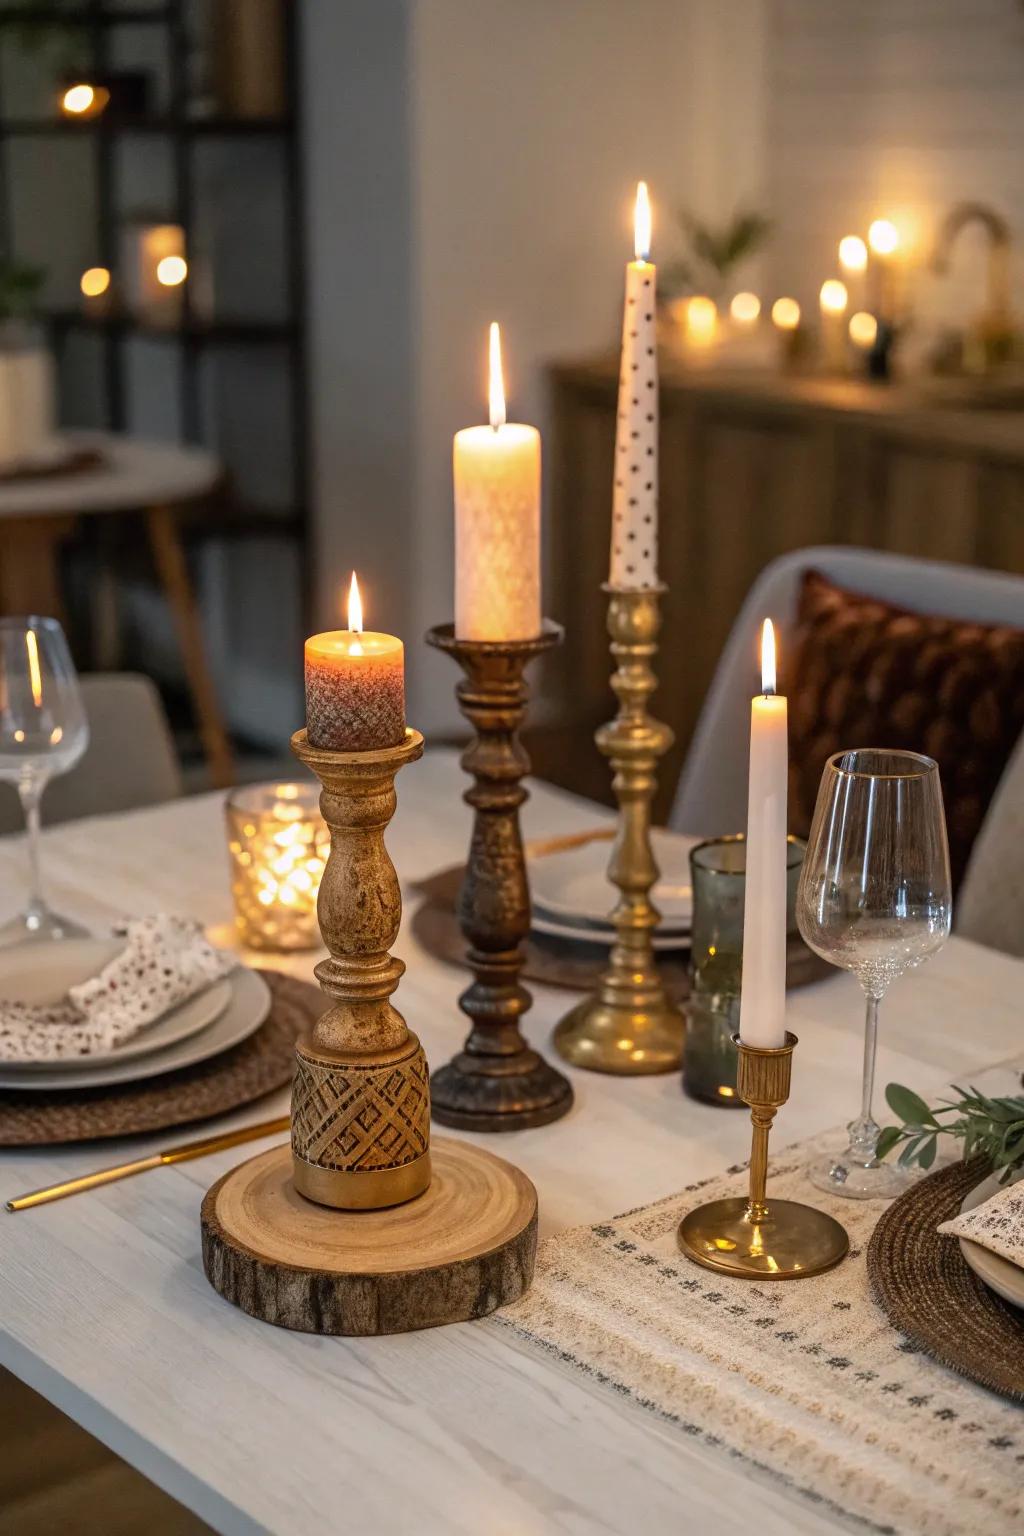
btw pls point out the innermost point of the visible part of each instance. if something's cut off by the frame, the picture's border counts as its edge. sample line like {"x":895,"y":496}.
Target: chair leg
{"x":172,"y":570}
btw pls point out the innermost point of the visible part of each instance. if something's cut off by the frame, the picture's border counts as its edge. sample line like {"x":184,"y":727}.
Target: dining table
{"x":105,"y":1309}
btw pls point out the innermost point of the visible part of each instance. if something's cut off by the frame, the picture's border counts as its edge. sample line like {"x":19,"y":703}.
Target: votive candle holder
{"x":279,"y":844}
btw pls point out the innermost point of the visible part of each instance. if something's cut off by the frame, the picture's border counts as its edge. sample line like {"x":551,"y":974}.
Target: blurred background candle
{"x":833,"y":300}
{"x":496,"y":471}
{"x":355,"y":686}
{"x":853,"y":259}
{"x":634,"y":553}
{"x":279,"y":845}
{"x":883,"y":240}
{"x":763,"y":997}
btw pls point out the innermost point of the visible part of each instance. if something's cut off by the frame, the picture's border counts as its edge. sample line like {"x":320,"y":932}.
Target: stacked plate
{"x":572,"y":896}
{"x":213,"y":1021}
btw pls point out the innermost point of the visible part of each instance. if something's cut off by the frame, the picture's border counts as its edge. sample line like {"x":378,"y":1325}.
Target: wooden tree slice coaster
{"x":458,"y":1251}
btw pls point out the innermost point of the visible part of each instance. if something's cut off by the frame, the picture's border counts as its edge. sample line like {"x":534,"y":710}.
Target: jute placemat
{"x":559,"y":963}
{"x":245,"y":1072}
{"x":807,"y":1381}
{"x":931,"y":1294}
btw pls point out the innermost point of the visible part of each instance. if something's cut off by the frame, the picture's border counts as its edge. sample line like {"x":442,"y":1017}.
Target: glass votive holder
{"x":279,"y":845}
{"x":718,"y":876}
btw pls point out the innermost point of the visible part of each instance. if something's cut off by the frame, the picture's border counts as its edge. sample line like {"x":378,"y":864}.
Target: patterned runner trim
{"x":804,"y":1380}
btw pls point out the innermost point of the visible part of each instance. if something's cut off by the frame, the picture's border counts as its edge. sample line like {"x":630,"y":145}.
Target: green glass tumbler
{"x":718,"y":871}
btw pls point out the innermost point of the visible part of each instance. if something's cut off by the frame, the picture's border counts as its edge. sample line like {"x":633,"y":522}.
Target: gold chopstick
{"x":183,"y":1153}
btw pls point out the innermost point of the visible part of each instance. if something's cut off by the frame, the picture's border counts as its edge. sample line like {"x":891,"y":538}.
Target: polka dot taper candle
{"x":629,"y":1025}
{"x":634,"y":556}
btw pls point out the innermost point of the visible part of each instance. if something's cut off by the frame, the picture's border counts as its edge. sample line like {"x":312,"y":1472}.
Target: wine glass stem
{"x":864,"y":1130}
{"x":31,"y":795}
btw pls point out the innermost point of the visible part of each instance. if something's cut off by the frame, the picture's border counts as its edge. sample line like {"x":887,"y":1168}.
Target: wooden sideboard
{"x":751,"y":466}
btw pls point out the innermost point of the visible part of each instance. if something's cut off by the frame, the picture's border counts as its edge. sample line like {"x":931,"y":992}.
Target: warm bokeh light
{"x":642,"y":223}
{"x":883,"y":237}
{"x":34,"y":674}
{"x":78,"y":99}
{"x":863,"y":329}
{"x":355,"y":607}
{"x":786,"y":314}
{"x":853,"y":253}
{"x":701,"y":321}
{"x":94,"y":281}
{"x":495,"y":378}
{"x":171,"y":270}
{"x":768,"y":679}
{"x":833,"y":296}
{"x":745,"y":308}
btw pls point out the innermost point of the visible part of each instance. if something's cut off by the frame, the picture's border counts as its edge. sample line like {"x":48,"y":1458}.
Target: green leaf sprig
{"x":992,"y":1128}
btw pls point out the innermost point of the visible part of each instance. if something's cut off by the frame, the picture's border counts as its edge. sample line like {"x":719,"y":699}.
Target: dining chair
{"x":130,"y":761}
{"x":712,"y":793}
{"x":990,"y":907}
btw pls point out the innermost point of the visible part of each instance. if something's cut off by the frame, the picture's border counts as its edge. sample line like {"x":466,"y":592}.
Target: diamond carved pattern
{"x":360,"y":1119}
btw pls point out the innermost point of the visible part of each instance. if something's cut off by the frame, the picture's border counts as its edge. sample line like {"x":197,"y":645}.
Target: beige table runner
{"x":806,"y":1381}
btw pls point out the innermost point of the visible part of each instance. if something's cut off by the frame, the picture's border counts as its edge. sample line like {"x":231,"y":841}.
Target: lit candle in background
{"x":786,"y":314}
{"x":863,"y":329}
{"x":853,"y":259}
{"x":96,"y":291}
{"x":883,"y":239}
{"x":745,"y":309}
{"x":701,"y":322}
{"x":833,"y":300}
{"x":154,"y":269}
{"x":634,"y":552}
{"x":496,"y":471}
{"x":355,"y":686}
{"x":763,"y":993}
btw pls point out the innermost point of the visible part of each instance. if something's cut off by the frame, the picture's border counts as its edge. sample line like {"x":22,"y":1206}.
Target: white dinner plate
{"x":247,"y":1007}
{"x":42,"y":974}
{"x":1006,"y":1279}
{"x":572,"y":883}
{"x":558,"y":928}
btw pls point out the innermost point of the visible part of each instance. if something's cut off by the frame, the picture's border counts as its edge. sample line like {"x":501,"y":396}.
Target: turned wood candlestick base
{"x":360,"y":1101}
{"x":496,"y":1082}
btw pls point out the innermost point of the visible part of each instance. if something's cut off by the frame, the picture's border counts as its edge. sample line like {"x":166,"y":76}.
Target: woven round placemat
{"x":573,"y":964}
{"x":927,"y":1290}
{"x":237,"y":1076}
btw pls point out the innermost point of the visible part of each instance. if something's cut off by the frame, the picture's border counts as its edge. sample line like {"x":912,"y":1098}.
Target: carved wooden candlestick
{"x":360,"y":1101}
{"x":496,"y":1082}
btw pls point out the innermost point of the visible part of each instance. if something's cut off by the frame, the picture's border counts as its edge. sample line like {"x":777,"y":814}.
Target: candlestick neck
{"x":763,"y":1077}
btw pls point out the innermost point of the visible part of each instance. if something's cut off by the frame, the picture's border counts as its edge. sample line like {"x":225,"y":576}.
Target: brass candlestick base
{"x":360,"y":1101}
{"x":748,"y":1237}
{"x":630,"y":1026}
{"x":496,"y":1082}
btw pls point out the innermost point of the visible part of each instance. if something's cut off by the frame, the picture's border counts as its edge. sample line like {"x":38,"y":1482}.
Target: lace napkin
{"x":165,"y":961}
{"x":998,"y":1224}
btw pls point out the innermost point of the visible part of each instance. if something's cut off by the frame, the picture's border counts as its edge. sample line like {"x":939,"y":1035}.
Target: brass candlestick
{"x":749,"y":1237}
{"x":360,"y":1100}
{"x":630,"y":1026}
{"x":496,"y":1082}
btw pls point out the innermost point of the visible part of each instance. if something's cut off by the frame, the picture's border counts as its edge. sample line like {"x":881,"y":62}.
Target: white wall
{"x":473,"y":160}
{"x":898,"y":107}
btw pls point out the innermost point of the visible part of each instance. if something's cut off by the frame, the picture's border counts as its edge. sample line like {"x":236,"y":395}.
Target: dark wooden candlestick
{"x":496,"y":1082}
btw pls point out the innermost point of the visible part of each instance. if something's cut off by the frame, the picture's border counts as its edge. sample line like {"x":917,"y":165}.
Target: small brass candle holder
{"x":496,"y":1082}
{"x":629,"y":1026}
{"x":360,"y":1098}
{"x":752,"y":1238}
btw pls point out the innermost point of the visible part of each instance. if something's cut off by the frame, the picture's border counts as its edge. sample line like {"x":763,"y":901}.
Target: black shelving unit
{"x":192,"y":334}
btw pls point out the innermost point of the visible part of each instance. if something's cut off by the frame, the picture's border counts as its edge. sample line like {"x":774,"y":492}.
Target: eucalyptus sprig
{"x":992,"y":1128}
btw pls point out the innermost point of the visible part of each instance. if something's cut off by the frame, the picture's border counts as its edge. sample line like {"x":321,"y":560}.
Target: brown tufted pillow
{"x":864,"y":673}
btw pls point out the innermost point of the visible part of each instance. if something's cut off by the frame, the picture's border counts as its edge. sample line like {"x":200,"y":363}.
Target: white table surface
{"x":104,"y":1307}
{"x":134,"y":473}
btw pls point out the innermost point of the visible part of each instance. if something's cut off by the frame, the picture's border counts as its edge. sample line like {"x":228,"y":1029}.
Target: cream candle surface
{"x":634,"y":553}
{"x":355,"y":686}
{"x":496,"y":472}
{"x":763,"y":994}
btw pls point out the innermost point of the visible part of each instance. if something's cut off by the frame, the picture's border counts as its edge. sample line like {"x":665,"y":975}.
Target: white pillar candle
{"x":763,"y":995}
{"x":497,"y":523}
{"x":833,"y":300}
{"x":634,"y":557}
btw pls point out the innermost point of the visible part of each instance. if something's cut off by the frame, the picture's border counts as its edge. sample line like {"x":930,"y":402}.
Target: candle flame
{"x":355,"y":607}
{"x":767,"y":657}
{"x":883,"y":237}
{"x":496,"y":383}
{"x":642,"y":223}
{"x":34,"y":676}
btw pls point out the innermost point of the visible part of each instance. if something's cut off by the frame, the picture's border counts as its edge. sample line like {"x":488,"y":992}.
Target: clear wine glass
{"x":43,"y":733}
{"x":875,"y":899}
